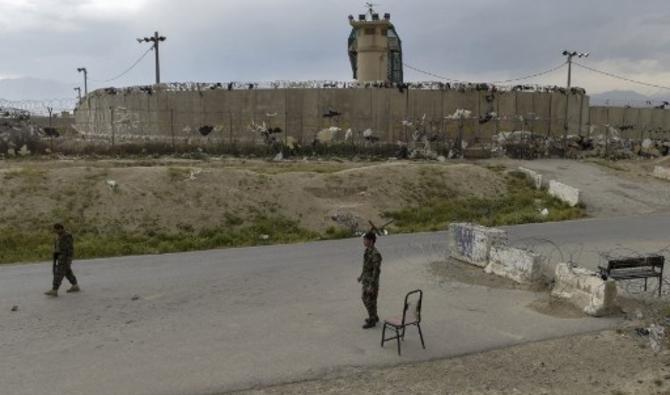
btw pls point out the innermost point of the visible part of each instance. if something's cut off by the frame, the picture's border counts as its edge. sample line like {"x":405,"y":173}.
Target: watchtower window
{"x":370,"y":31}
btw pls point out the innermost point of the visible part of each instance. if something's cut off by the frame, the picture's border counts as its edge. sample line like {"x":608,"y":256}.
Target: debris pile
{"x":419,"y":147}
{"x":347,"y":221}
{"x":462,"y":86}
{"x":18,"y":136}
{"x":271,"y":136}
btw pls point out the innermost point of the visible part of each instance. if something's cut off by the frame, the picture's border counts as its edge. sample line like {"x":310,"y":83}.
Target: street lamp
{"x":156,"y":39}
{"x":83,"y":70}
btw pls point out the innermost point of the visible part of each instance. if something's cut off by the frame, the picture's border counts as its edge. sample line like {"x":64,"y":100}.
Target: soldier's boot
{"x":53,"y":293}
{"x":74,"y":288}
{"x":370,"y":323}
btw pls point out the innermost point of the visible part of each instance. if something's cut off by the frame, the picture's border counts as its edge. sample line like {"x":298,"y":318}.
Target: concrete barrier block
{"x":585,"y":289}
{"x":515,"y":264}
{"x":564,"y":192}
{"x":661,"y":172}
{"x":472,"y":243}
{"x":534,"y":176}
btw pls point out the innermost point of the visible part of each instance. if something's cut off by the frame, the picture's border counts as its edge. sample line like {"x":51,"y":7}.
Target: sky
{"x":266,"y":40}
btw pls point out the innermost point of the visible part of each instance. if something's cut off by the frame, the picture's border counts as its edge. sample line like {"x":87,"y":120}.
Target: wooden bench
{"x":645,"y":267}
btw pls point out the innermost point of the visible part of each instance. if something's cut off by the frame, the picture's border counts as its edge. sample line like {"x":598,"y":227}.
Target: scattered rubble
{"x":656,"y":337}
{"x":661,"y":172}
{"x":194,"y":173}
{"x":18,"y":136}
{"x":113,"y":185}
{"x":271,"y":136}
{"x":330,"y":135}
{"x":347,"y":220}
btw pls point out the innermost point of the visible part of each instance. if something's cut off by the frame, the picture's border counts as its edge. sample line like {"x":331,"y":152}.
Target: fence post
{"x":174,"y":147}
{"x":581,"y":116}
{"x":111,"y":120}
{"x":566,"y":123}
{"x":460,"y":136}
{"x":550,"y":117}
{"x":230,"y":128}
{"x":607,"y":140}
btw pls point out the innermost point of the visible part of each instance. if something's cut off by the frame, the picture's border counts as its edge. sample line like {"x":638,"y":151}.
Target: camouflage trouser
{"x":370,"y":301}
{"x":63,"y":268}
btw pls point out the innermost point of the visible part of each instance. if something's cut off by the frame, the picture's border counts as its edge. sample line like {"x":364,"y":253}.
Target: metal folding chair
{"x":411,"y":315}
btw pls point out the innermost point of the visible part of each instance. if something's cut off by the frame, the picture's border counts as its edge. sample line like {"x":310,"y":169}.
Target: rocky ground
{"x":611,"y":362}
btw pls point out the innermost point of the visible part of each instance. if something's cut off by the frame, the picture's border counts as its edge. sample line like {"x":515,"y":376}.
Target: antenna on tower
{"x":370,"y":7}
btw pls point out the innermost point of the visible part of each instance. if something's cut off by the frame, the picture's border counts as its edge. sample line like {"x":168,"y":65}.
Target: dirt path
{"x":608,"y":188}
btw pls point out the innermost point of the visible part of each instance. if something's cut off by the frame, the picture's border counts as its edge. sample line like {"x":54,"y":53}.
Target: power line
{"x":526,"y":77}
{"x":620,"y":77}
{"x":431,"y":74}
{"x":128,"y":69}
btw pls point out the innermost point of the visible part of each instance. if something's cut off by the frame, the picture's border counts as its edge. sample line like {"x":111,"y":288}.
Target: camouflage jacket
{"x":64,"y":247}
{"x":372,"y":262}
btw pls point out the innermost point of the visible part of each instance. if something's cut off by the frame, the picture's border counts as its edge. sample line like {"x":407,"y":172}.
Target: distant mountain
{"x":35,"y":89}
{"x":626,"y":98}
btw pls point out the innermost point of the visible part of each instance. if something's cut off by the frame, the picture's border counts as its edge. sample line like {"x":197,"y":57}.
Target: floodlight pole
{"x":83,"y":70}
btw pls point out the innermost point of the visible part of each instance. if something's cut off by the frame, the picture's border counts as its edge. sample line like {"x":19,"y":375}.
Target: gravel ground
{"x":610,"y":362}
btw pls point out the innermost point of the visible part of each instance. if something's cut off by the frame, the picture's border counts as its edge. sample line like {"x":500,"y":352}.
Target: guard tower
{"x":375,"y":49}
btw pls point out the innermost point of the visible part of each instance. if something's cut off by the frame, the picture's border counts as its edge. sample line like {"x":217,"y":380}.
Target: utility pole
{"x":570,"y":55}
{"x":78,"y":90}
{"x":156,"y":39}
{"x":566,"y":123}
{"x":83,"y":70}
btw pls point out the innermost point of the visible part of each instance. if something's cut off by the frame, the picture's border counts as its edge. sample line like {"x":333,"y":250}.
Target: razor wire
{"x":41,"y":107}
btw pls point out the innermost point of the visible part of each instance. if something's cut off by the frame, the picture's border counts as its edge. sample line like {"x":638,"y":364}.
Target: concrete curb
{"x":566,"y":193}
{"x":535,"y":177}
{"x":585,"y":289}
{"x":661,"y":172}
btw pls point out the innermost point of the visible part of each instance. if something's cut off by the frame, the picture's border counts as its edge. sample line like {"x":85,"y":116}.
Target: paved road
{"x":214,"y":321}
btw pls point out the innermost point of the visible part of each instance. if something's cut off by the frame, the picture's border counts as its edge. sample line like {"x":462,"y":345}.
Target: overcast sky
{"x":263,"y":40}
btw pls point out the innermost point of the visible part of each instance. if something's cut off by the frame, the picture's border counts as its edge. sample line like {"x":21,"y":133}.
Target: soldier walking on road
{"x":62,"y":261}
{"x":369,"y":278}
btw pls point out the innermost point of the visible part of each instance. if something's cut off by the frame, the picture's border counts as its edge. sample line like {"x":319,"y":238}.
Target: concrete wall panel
{"x":300,"y":112}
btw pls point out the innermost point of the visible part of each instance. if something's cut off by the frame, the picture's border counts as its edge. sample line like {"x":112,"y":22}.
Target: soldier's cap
{"x":370,"y":236}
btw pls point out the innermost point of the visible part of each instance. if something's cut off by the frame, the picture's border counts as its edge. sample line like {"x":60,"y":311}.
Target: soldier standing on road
{"x":369,"y":278}
{"x":63,"y":254}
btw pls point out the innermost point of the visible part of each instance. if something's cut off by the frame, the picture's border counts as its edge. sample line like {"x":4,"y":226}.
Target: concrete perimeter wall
{"x":160,"y":114}
{"x":634,"y":123}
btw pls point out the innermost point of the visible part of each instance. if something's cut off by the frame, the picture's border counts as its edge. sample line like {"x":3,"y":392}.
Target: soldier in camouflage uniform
{"x":63,"y":254}
{"x":372,"y":261}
